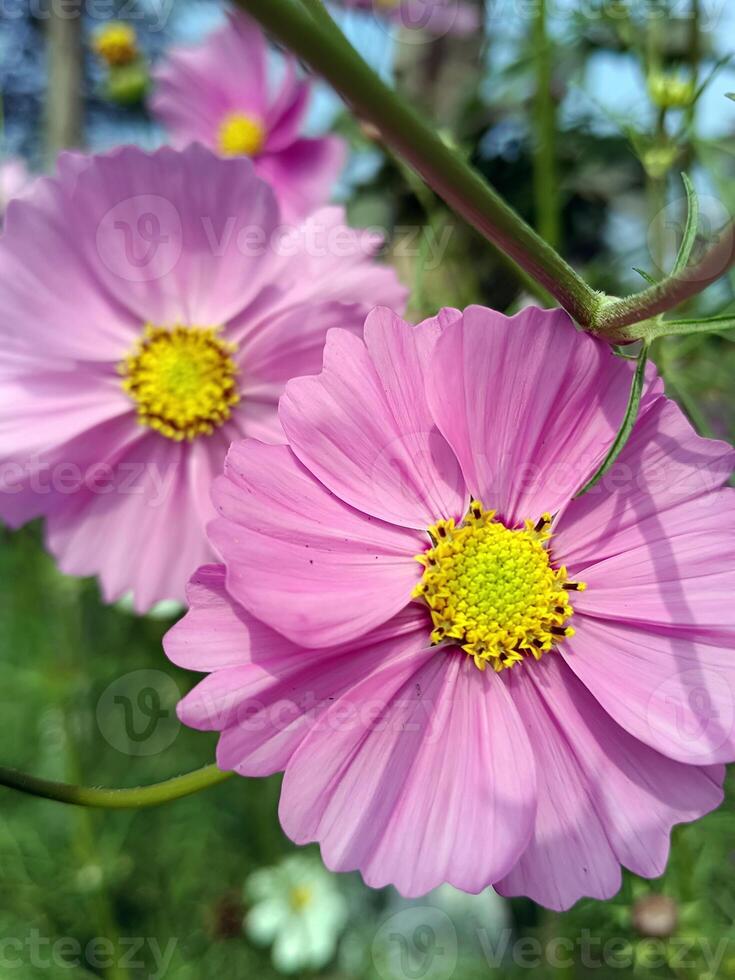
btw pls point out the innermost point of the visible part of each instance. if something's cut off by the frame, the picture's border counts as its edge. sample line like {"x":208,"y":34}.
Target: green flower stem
{"x":416,"y":141}
{"x":545,"y":179}
{"x":114,"y":799}
{"x":695,"y":325}
{"x":629,"y":421}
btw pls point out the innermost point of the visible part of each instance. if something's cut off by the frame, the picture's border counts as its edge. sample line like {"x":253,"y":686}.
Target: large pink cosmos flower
{"x":421,"y":524}
{"x":437,"y":17}
{"x":218,"y":94}
{"x":151,"y":311}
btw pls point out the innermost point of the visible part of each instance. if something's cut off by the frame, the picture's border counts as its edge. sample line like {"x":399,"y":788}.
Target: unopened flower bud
{"x":671,"y":91}
{"x":116,"y":44}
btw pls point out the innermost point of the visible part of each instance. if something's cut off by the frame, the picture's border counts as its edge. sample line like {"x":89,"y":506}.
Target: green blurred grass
{"x":171,"y":872}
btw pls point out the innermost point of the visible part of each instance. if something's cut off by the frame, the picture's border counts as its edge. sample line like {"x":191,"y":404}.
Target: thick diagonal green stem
{"x":463,"y":189}
{"x":114,"y":799}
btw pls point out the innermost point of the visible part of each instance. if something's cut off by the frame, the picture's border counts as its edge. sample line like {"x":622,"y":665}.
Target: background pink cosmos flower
{"x":162,"y":294}
{"x":401,"y":758}
{"x":438,"y":17}
{"x":218,"y":93}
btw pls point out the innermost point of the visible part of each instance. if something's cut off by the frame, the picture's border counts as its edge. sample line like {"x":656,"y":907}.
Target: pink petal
{"x":197,"y":86}
{"x":529,"y":405}
{"x":258,"y":418}
{"x":669,"y":690}
{"x":216,"y":633}
{"x":409,"y":778}
{"x":304,"y":174}
{"x":363,"y":426}
{"x":664,"y":464}
{"x":142,"y":532}
{"x":298,"y":558}
{"x":47,"y":479}
{"x":42,"y":408}
{"x":336,"y":263}
{"x":675,"y":571}
{"x":56,"y":302}
{"x":286,"y":113}
{"x":290,"y":344}
{"x":167,"y":233}
{"x":605,"y":798}
{"x":265,"y":707}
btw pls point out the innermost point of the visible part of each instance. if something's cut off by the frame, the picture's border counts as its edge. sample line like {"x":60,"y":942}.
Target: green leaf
{"x":690,"y":229}
{"x":645,"y":276}
{"x":730,"y":95}
{"x":631,"y":415}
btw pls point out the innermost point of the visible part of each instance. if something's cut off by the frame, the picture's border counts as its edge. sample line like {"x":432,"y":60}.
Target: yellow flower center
{"x":386,"y":4}
{"x":183,"y":380}
{"x":116,"y":44}
{"x":300,"y":897}
{"x":493,"y":590}
{"x":241,"y":135}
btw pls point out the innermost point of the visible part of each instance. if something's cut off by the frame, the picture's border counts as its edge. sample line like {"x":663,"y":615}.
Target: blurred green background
{"x":570,"y":110}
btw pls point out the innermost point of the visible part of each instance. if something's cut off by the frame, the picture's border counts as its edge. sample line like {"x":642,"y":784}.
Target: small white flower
{"x":297,"y":908}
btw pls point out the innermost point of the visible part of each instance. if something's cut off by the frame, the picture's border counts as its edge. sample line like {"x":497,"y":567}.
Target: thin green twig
{"x":629,"y":420}
{"x":114,"y":799}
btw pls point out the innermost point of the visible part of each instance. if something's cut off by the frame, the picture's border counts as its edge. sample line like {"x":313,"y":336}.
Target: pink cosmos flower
{"x":151,"y":312}
{"x":217,"y":93}
{"x":437,"y":17}
{"x":401,"y":622}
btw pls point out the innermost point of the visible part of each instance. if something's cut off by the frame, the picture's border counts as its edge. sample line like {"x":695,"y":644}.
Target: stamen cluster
{"x":493,"y":590}
{"x":241,"y":135}
{"x":184,"y":380}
